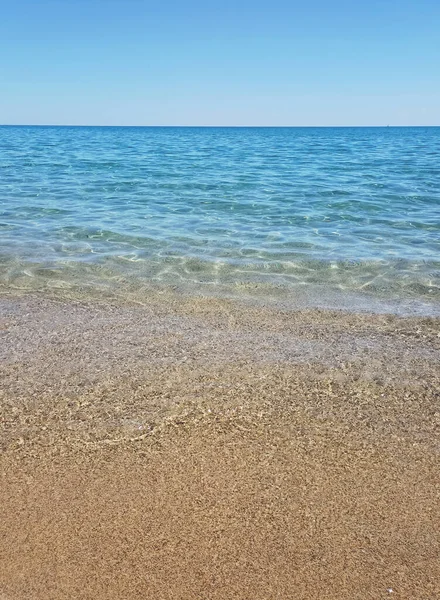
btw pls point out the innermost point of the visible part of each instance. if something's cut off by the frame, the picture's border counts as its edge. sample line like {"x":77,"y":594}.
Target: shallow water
{"x":326,"y":215}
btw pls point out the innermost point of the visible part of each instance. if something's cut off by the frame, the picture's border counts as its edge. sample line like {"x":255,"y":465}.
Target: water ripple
{"x":348,"y":209}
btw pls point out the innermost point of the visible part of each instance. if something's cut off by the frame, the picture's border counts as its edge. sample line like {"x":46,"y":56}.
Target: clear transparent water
{"x":330,"y":212}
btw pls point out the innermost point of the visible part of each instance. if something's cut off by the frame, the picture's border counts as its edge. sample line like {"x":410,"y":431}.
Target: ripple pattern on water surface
{"x":355,"y":210}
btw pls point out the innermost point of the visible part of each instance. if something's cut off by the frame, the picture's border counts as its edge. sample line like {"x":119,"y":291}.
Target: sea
{"x":345,"y":218}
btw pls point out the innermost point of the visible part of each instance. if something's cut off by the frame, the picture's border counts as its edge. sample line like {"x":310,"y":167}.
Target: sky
{"x":224,"y":63}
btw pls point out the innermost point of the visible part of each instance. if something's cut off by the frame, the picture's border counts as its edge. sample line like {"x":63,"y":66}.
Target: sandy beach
{"x":201,"y":448}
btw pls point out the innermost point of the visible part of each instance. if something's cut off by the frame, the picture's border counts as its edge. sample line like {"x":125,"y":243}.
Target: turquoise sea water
{"x":331,"y":214}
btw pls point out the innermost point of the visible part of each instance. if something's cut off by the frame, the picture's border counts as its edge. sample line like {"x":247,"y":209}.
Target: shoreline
{"x":205,"y":448}
{"x":91,"y":283}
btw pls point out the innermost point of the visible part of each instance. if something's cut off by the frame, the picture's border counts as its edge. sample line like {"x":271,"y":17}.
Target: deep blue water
{"x":345,"y":211}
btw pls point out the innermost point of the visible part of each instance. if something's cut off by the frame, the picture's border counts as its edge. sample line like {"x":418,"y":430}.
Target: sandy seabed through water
{"x":205,"y":449}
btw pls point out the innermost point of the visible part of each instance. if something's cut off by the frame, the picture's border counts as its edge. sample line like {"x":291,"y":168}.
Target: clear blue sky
{"x":242,"y":62}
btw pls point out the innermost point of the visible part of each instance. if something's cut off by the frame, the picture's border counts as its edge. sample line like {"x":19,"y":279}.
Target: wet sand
{"x":206,"y":449}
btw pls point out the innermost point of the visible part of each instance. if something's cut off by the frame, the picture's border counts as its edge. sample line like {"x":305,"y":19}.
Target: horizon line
{"x":218,"y":126}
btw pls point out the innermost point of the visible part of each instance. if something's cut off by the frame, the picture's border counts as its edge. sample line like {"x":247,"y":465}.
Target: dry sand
{"x":210,"y":450}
